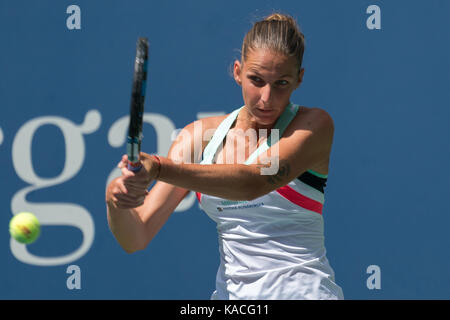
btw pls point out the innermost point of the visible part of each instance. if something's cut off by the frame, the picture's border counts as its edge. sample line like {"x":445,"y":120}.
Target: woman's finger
{"x":126,"y":202}
{"x":127,"y":173}
{"x":123,"y":162}
{"x":121,"y":186}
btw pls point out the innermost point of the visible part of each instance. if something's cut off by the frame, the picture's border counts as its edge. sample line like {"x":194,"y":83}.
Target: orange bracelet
{"x":159,"y":166}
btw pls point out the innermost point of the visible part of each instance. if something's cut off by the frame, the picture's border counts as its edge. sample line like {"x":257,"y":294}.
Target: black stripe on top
{"x":314,"y":181}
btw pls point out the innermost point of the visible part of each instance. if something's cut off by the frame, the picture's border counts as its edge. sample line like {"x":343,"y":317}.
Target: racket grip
{"x":133,"y":149}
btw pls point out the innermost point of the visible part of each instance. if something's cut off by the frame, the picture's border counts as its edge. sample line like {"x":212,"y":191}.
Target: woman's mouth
{"x":265,"y":111}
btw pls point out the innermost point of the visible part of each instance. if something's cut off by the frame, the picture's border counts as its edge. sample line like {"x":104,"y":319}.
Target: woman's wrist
{"x":158,"y":172}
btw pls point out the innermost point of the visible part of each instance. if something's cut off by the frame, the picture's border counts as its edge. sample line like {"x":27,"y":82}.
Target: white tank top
{"x":271,"y":247}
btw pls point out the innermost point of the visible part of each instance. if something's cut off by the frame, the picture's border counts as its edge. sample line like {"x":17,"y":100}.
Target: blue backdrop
{"x":64,"y":96}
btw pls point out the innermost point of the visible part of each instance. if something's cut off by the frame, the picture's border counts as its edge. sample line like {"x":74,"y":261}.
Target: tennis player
{"x":271,"y":229}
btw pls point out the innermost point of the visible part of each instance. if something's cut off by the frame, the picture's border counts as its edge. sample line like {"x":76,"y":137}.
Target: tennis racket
{"x":137,"y":105}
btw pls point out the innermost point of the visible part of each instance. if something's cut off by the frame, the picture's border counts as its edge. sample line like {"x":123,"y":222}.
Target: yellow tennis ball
{"x":25,"y":227}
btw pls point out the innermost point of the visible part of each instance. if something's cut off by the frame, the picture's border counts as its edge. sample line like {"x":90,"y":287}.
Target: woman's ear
{"x":237,"y":72}
{"x":300,"y":77}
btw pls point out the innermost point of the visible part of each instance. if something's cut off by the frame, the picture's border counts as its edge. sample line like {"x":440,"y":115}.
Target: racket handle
{"x":133,"y":149}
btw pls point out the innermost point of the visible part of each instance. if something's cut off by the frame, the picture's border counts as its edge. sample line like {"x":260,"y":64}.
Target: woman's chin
{"x":265,"y":118}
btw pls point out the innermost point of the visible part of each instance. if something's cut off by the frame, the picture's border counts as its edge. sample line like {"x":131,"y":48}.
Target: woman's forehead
{"x":264,"y":60}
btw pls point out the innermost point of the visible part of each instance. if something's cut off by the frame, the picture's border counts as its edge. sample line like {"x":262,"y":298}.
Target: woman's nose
{"x":266,"y":92}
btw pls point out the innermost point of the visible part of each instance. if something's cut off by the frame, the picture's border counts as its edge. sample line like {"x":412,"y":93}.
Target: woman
{"x":270,"y":225}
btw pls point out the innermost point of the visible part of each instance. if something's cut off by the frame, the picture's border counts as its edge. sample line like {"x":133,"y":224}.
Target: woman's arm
{"x":306,"y":142}
{"x":134,"y":228}
{"x":134,"y":215}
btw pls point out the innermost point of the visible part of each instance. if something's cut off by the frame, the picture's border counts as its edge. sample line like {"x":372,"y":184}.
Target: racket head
{"x":135,"y":136}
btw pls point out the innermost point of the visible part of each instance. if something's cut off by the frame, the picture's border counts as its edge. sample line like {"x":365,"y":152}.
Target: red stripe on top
{"x":300,"y":200}
{"x":199,"y":196}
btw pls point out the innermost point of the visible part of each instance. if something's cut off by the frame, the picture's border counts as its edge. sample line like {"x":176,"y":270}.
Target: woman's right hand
{"x":122,"y":195}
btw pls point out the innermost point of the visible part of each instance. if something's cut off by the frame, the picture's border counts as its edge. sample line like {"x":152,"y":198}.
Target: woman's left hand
{"x":140,"y":180}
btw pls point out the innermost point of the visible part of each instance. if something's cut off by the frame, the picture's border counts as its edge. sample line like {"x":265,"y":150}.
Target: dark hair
{"x":277,"y":32}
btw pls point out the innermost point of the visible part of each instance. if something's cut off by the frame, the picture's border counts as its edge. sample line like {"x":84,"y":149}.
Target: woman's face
{"x":268,"y":80}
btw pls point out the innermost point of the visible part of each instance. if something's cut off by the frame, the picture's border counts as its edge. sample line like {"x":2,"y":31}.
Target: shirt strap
{"x":219,"y":135}
{"x":281,"y":124}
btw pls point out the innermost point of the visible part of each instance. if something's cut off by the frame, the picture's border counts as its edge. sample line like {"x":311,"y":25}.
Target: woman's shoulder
{"x":205,"y":124}
{"x":314,"y":112}
{"x":214,"y":121}
{"x":320,"y":124}
{"x":192,"y":136}
{"x":313,"y":118}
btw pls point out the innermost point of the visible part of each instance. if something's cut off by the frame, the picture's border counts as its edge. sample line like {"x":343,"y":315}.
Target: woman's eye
{"x":260,"y":82}
{"x":256,"y":79}
{"x":282,"y":83}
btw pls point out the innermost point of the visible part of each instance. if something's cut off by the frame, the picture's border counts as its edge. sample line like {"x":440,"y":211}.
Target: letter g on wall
{"x":54,"y":214}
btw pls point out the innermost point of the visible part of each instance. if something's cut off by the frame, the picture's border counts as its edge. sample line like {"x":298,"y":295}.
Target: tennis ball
{"x":25,"y":227}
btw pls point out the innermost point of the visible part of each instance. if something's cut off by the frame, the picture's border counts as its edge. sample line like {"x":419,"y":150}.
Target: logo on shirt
{"x":235,"y":205}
